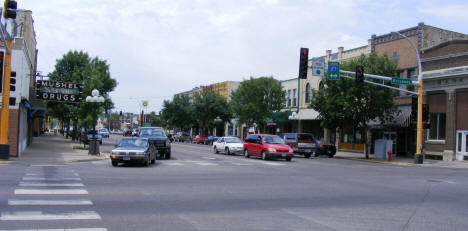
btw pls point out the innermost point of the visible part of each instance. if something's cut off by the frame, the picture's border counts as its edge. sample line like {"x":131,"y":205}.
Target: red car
{"x":267,"y":146}
{"x":199,"y":139}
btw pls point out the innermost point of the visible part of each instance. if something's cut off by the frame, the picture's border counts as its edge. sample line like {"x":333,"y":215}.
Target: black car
{"x":134,"y":150}
{"x":158,"y":137}
{"x":326,"y":150}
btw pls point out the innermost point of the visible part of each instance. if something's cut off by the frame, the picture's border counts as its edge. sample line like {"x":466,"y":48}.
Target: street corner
{"x":395,"y":163}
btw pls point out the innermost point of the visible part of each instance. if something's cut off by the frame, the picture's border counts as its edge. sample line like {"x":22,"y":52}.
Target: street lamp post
{"x":418,"y":158}
{"x":94,"y":98}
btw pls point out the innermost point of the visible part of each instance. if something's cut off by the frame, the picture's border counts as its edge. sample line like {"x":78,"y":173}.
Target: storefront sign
{"x":58,"y":91}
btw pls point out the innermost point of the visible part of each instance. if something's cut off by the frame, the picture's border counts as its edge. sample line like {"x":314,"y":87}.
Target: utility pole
{"x":8,"y":11}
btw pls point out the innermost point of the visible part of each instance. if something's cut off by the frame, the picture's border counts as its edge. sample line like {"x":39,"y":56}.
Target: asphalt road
{"x":200,"y":190}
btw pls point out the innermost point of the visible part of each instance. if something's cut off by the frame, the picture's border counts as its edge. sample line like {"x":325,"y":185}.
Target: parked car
{"x":138,"y":150}
{"x":302,"y":143}
{"x":182,"y":137}
{"x":104,"y":132}
{"x":88,"y":135}
{"x":267,"y":146}
{"x":199,"y":139}
{"x":325,"y":149}
{"x":229,"y":145}
{"x":210,"y":140}
{"x":158,"y":137}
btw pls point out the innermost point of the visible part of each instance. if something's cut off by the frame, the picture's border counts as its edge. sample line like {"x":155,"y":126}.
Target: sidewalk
{"x":54,"y":149}
{"x":401,"y":161}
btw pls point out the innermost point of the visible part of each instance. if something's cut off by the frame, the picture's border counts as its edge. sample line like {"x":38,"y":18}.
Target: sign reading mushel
{"x":58,"y":91}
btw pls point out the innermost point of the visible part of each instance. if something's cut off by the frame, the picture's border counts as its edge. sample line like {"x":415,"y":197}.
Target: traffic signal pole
{"x":5,"y":111}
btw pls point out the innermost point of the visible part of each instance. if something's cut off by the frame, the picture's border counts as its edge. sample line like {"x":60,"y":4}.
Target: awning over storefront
{"x":304,"y":114}
{"x":402,"y":118}
{"x":279,"y":117}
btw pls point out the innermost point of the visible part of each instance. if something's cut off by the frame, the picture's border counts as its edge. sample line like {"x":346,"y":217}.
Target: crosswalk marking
{"x":33,"y":184}
{"x":175,"y":164}
{"x":50,"y":191}
{"x":206,"y":164}
{"x":48,"y":165}
{"x":79,"y":229}
{"x":241,"y":164}
{"x":39,"y":215}
{"x":49,"y":202}
{"x":51,"y":179}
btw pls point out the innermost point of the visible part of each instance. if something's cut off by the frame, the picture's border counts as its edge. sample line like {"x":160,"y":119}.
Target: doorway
{"x":462,"y":145}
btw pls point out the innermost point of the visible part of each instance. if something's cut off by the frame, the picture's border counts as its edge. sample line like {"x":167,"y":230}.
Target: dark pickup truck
{"x":158,"y":137}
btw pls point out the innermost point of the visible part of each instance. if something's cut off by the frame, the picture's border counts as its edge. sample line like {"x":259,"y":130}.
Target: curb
{"x":377,"y":161}
{"x":4,"y":162}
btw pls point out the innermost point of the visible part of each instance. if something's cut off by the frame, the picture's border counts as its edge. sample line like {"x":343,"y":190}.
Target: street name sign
{"x":58,"y":91}
{"x":400,"y":81}
{"x":318,"y":67}
{"x":333,"y":70}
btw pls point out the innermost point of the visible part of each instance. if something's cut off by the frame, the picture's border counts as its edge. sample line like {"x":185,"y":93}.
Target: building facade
{"x":23,"y":63}
{"x":445,"y":86}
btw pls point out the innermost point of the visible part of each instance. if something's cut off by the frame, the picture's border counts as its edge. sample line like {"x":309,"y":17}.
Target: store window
{"x":437,"y":126}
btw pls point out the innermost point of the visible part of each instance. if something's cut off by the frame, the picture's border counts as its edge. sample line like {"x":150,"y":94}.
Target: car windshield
{"x":272,"y":140}
{"x":232,"y":140}
{"x":142,"y":143}
{"x":152,"y":132}
{"x":305,"y":137}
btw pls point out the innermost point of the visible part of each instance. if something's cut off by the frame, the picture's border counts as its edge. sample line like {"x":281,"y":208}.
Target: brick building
{"x":445,"y":86}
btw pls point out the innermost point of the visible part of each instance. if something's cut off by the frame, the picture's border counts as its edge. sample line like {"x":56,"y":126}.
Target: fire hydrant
{"x":389,"y":153}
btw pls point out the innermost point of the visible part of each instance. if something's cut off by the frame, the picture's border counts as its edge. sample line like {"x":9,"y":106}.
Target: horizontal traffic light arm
{"x":382,"y":85}
{"x":415,"y":83}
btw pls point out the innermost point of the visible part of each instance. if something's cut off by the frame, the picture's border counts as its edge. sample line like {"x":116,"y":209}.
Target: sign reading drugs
{"x":58,"y":91}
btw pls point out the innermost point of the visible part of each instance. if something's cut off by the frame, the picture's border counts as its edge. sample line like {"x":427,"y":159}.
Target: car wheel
{"x":264,"y":155}
{"x":228,"y":152}
{"x":167,"y":156}
{"x":100,"y":142}
{"x":215,"y":150}
{"x":288,"y":158}
{"x":148,"y":161}
{"x":246,"y":153}
{"x":330,"y":156}
{"x":307,"y":155}
{"x":115,"y":163}
{"x":153,"y":160}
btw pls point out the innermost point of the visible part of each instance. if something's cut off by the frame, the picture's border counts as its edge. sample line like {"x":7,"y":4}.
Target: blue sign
{"x":333,"y":70}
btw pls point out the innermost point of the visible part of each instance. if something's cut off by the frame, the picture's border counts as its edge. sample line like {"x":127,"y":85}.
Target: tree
{"x":78,"y":67}
{"x":177,"y":112}
{"x":343,"y":103}
{"x":256,"y":99}
{"x":209,"y":107}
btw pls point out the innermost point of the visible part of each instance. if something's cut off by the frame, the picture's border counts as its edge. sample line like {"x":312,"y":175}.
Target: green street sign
{"x":400,"y":81}
{"x":333,"y":71}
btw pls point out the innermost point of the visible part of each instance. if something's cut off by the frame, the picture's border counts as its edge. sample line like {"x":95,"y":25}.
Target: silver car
{"x":229,"y":145}
{"x":134,"y":150}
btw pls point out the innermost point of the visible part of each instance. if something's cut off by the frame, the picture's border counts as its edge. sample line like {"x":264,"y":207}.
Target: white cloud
{"x":456,"y":12}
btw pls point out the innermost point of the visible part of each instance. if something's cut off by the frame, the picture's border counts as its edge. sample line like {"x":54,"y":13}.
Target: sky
{"x":158,"y":48}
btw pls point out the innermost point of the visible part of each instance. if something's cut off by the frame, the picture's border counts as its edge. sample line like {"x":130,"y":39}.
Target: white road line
{"x":272,"y":163}
{"x":175,"y":164}
{"x":50,"y":191}
{"x":38,"y":215}
{"x":206,"y":164}
{"x":79,"y":229}
{"x":49,"y":202}
{"x":47,"y":165}
{"x":241,"y":164}
{"x":57,"y":173}
{"x":209,"y":158}
{"x":33,"y":184}
{"x":52,"y":179}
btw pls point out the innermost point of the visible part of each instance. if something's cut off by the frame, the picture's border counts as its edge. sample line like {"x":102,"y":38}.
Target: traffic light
{"x":359,"y":75}
{"x":425,"y":112}
{"x":9,"y":9}
{"x":120,"y":113}
{"x":303,"y":62}
{"x":13,"y":81}
{"x":414,"y":108}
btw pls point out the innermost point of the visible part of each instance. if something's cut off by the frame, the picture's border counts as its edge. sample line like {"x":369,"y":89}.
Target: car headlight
{"x":271,"y":150}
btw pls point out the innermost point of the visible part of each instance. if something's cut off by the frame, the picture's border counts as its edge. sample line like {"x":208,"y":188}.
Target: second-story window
{"x":294,"y":97}
{"x":307,"y":95}
{"x":289,"y":98}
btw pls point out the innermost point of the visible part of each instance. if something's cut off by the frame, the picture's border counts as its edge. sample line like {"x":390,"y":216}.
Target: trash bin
{"x":93,"y":147}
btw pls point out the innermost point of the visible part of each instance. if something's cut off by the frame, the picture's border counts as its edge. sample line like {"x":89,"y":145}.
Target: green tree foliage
{"x":208,"y":106}
{"x":343,"y":103}
{"x":177,"y":112}
{"x":155,"y":119}
{"x":256,"y":99}
{"x":78,"y":67}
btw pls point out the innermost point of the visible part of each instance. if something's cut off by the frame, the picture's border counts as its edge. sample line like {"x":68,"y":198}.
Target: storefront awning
{"x":401,"y":118}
